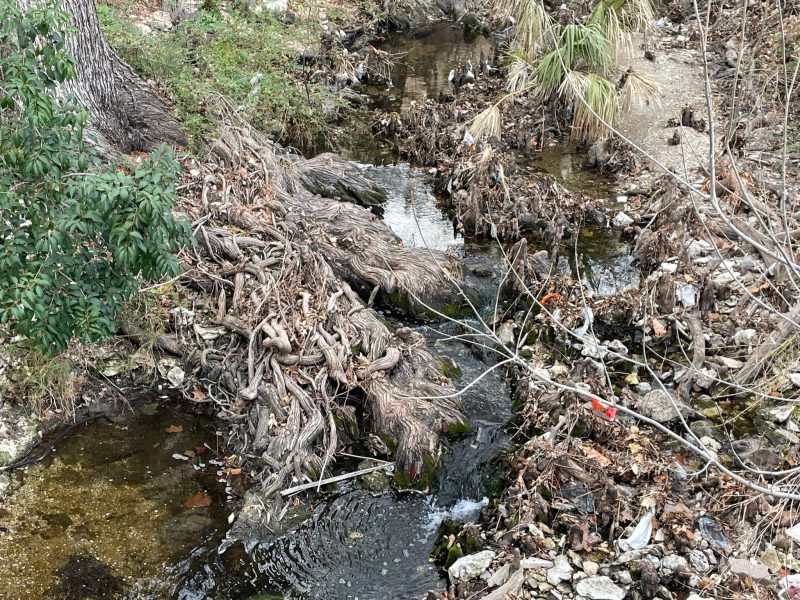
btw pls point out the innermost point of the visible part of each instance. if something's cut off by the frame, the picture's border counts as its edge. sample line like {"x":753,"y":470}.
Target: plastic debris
{"x":640,"y":536}
{"x":713,"y":533}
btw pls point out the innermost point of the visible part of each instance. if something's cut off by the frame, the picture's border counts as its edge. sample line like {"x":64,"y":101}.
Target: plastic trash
{"x":713,"y":532}
{"x":640,"y":536}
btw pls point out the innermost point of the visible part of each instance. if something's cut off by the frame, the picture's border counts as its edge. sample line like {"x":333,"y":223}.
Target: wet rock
{"x":377,"y":481}
{"x":661,"y":407}
{"x":674,"y":563}
{"x":470,"y":566}
{"x":561,"y":571}
{"x":699,"y":560}
{"x":743,"y":568}
{"x":622,"y":220}
{"x":599,"y":588}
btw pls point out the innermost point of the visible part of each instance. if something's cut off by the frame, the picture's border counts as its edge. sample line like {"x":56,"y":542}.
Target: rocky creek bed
{"x":318,"y":335}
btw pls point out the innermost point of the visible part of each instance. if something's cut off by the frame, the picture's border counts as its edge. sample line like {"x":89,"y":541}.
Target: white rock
{"x":271,"y":6}
{"x":143,"y":28}
{"x":470,"y":566}
{"x":711,"y":443}
{"x":669,"y":267}
{"x":780,"y":413}
{"x":794,"y":532}
{"x":622,"y":220}
{"x":672,"y":563}
{"x":795,"y":379}
{"x":698,"y":248}
{"x":534,"y":562}
{"x":500,"y":576}
{"x":730,"y":363}
{"x":560,"y":571}
{"x":599,"y":588}
{"x":590,"y":568}
{"x":705,"y":377}
{"x":686,"y":295}
{"x":160,"y":19}
{"x":745,"y":337}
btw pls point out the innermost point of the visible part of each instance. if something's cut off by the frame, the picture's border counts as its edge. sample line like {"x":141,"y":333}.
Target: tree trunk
{"x":126,"y":115}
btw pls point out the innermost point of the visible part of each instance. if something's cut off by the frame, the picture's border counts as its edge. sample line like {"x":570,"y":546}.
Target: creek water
{"x":110,"y":505}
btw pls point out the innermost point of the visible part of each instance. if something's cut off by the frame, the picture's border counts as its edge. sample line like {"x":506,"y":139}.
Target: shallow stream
{"x":113,"y":503}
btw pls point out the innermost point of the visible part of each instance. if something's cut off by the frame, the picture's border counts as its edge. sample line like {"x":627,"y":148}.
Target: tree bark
{"x":126,"y":115}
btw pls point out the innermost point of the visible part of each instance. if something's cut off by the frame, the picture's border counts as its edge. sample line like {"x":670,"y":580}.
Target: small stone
{"x":143,"y":28}
{"x":500,"y":576}
{"x":795,"y":379}
{"x":534,"y":562}
{"x":669,"y":267}
{"x":624,"y":577}
{"x":160,"y":19}
{"x":779,"y":414}
{"x":794,"y":532}
{"x":742,"y":567}
{"x":771,"y":559}
{"x":560,"y":571}
{"x":505,"y":333}
{"x":590,"y":568}
{"x":622,"y":220}
{"x":599,"y":588}
{"x":673,"y":563}
{"x":746,"y":337}
{"x":176,"y":376}
{"x":661,"y":407}
{"x":470,"y":566}
{"x":699,"y":560}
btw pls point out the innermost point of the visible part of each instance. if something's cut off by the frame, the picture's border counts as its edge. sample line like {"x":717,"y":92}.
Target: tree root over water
{"x":282,"y":344}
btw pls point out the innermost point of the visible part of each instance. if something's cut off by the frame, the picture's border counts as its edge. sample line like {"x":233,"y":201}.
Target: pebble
{"x":624,"y":577}
{"x":590,"y":568}
{"x":599,"y":588}
{"x":699,"y":560}
{"x":771,"y":560}
{"x":745,"y":337}
{"x":674,"y":563}
{"x":561,"y":571}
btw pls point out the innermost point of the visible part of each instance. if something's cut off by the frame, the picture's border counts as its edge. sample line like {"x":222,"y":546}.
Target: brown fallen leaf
{"x":198,"y":395}
{"x":174,"y":429}
{"x":198,"y":500}
{"x":233,"y":471}
{"x":199,"y":449}
{"x":189,"y":453}
{"x":590,"y":452}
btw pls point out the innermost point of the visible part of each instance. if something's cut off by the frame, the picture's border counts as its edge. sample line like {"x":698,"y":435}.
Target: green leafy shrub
{"x":76,"y":235}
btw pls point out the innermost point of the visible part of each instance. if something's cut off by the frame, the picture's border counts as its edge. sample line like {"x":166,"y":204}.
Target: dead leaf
{"x":233,"y":471}
{"x":632,"y":379}
{"x":592,"y":453}
{"x":174,"y":429}
{"x":199,"y":449}
{"x":198,"y":500}
{"x":198,"y":395}
{"x":189,"y":453}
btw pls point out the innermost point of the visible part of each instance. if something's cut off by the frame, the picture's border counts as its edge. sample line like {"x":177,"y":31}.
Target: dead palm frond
{"x":638,"y":88}
{"x":519,"y":71}
{"x":487,"y":124}
{"x":595,"y":104}
{"x":533,"y":22}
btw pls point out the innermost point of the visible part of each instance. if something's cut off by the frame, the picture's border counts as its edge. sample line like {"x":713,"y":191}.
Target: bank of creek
{"x":132,"y":505}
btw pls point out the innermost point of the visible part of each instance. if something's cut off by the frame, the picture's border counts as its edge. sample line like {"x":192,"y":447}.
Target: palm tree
{"x":581,"y":62}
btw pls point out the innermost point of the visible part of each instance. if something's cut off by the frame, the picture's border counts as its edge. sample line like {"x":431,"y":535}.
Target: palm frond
{"x":550,"y":70}
{"x":487,"y":124}
{"x":638,"y":88}
{"x":518,"y":76}
{"x":595,"y":104}
{"x":533,"y":22}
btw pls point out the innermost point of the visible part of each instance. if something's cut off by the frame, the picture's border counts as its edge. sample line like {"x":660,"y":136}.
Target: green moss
{"x":213,"y":62}
{"x":449,"y":368}
{"x":453,"y":555}
{"x":457,"y":428}
{"x":422,"y":480}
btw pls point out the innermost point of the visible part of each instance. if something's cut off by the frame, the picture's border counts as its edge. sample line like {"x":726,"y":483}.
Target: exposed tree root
{"x":285,"y":348}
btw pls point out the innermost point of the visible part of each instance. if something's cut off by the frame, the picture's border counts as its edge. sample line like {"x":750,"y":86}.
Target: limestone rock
{"x":599,"y":588}
{"x":470,"y":566}
{"x":560,"y":571}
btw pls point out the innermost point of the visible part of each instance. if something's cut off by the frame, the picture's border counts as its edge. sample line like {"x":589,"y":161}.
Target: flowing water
{"x":110,"y":506}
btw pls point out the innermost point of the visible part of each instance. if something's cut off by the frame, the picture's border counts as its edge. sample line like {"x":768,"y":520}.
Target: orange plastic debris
{"x":547,"y":297}
{"x":609,"y":411}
